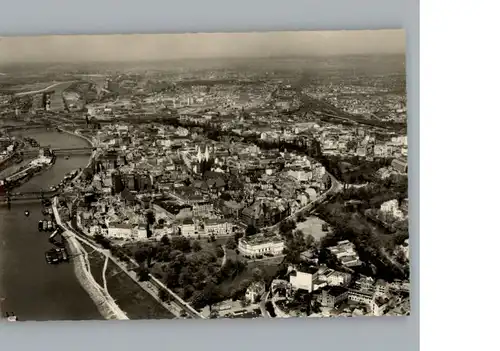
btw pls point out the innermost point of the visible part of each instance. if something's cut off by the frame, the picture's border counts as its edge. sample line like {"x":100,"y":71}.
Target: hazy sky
{"x":77,"y":48}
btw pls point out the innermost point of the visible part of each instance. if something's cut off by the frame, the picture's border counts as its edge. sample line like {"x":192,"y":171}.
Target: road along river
{"x":32,"y":289}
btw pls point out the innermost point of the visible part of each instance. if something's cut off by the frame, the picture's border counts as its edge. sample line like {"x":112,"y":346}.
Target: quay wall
{"x":105,"y":304}
{"x":87,"y":281}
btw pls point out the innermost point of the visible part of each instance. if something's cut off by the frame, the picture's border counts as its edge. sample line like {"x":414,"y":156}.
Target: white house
{"x":251,"y":247}
{"x":333,"y":295}
{"x":119,"y":230}
{"x":345,"y":253}
{"x":334,"y":278}
{"x":392,"y":207}
{"x":141,"y":232}
{"x":187,"y":227}
{"x":378,"y":306}
{"x":303,"y":280}
{"x":217,"y":227}
{"x":300,"y":175}
{"x":311,"y":194}
{"x":361,"y":296}
{"x":302,"y":199}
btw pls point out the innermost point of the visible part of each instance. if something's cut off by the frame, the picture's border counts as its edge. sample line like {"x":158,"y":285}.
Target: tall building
{"x":46,"y":101}
{"x":143,"y":182}
{"x":203,"y":156}
{"x":117,"y":183}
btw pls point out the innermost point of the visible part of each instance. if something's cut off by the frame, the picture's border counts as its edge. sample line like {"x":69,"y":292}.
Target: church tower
{"x":207,"y":154}
{"x":199,"y":156}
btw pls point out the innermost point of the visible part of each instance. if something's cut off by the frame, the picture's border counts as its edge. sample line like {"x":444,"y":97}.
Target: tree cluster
{"x":296,"y":243}
{"x":368,"y":244}
{"x":193,"y":273}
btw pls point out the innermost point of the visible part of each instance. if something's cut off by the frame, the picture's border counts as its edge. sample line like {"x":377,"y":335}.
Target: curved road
{"x":336,"y":186}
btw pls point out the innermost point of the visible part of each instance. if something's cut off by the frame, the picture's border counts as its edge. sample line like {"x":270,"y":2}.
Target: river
{"x":32,"y":289}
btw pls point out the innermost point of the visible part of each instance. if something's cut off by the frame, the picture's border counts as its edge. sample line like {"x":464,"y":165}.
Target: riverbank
{"x":91,"y":143}
{"x":21,"y":177}
{"x":32,"y":289}
{"x":30,"y":174}
{"x":105,"y":303}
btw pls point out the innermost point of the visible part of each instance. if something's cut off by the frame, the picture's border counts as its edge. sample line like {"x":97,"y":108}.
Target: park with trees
{"x":192,"y":268}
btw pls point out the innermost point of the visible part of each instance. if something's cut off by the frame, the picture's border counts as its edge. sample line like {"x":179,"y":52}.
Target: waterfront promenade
{"x":104,"y":302}
{"x":34,"y":290}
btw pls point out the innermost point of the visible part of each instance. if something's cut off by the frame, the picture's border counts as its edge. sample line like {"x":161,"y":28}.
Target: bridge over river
{"x":59,"y":151}
{"x":28,"y":195}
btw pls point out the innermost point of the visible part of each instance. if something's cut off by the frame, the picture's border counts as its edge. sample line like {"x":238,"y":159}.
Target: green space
{"x":372,"y":243}
{"x":193,"y":268}
{"x":96,"y":263}
{"x":132,"y":299}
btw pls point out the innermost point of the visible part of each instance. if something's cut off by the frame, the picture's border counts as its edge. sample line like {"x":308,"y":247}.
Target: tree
{"x":309,"y":241}
{"x":170,"y":277}
{"x":231,"y":244}
{"x":143,"y":274}
{"x":199,"y":299}
{"x":141,"y":255}
{"x":301,"y":218}
{"x":257,"y":274}
{"x":292,"y":256}
{"x":149,"y":232}
{"x":162,"y":295}
{"x":150,"y":217}
{"x":238,"y":235}
{"x":327,"y":258}
{"x":165,"y":240}
{"x":351,"y":144}
{"x":219,"y":251}
{"x":181,"y":243}
{"x":294,"y":245}
{"x":287,"y":227}
{"x":328,"y":240}
{"x":251,"y":230}
{"x":195,"y":246}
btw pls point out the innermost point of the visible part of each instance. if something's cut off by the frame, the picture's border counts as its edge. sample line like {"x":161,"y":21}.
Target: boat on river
{"x":56,"y":255}
{"x":9,"y":317}
{"x":63,"y":254}
{"x":51,"y":256}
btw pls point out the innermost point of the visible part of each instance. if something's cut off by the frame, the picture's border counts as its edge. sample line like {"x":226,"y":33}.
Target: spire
{"x":199,"y":153}
{"x":207,"y":153}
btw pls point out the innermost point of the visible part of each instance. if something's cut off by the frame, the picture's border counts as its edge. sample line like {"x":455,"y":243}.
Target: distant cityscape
{"x":259,"y":189}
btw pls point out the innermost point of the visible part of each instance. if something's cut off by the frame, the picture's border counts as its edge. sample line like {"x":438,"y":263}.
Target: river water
{"x":32,"y":289}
